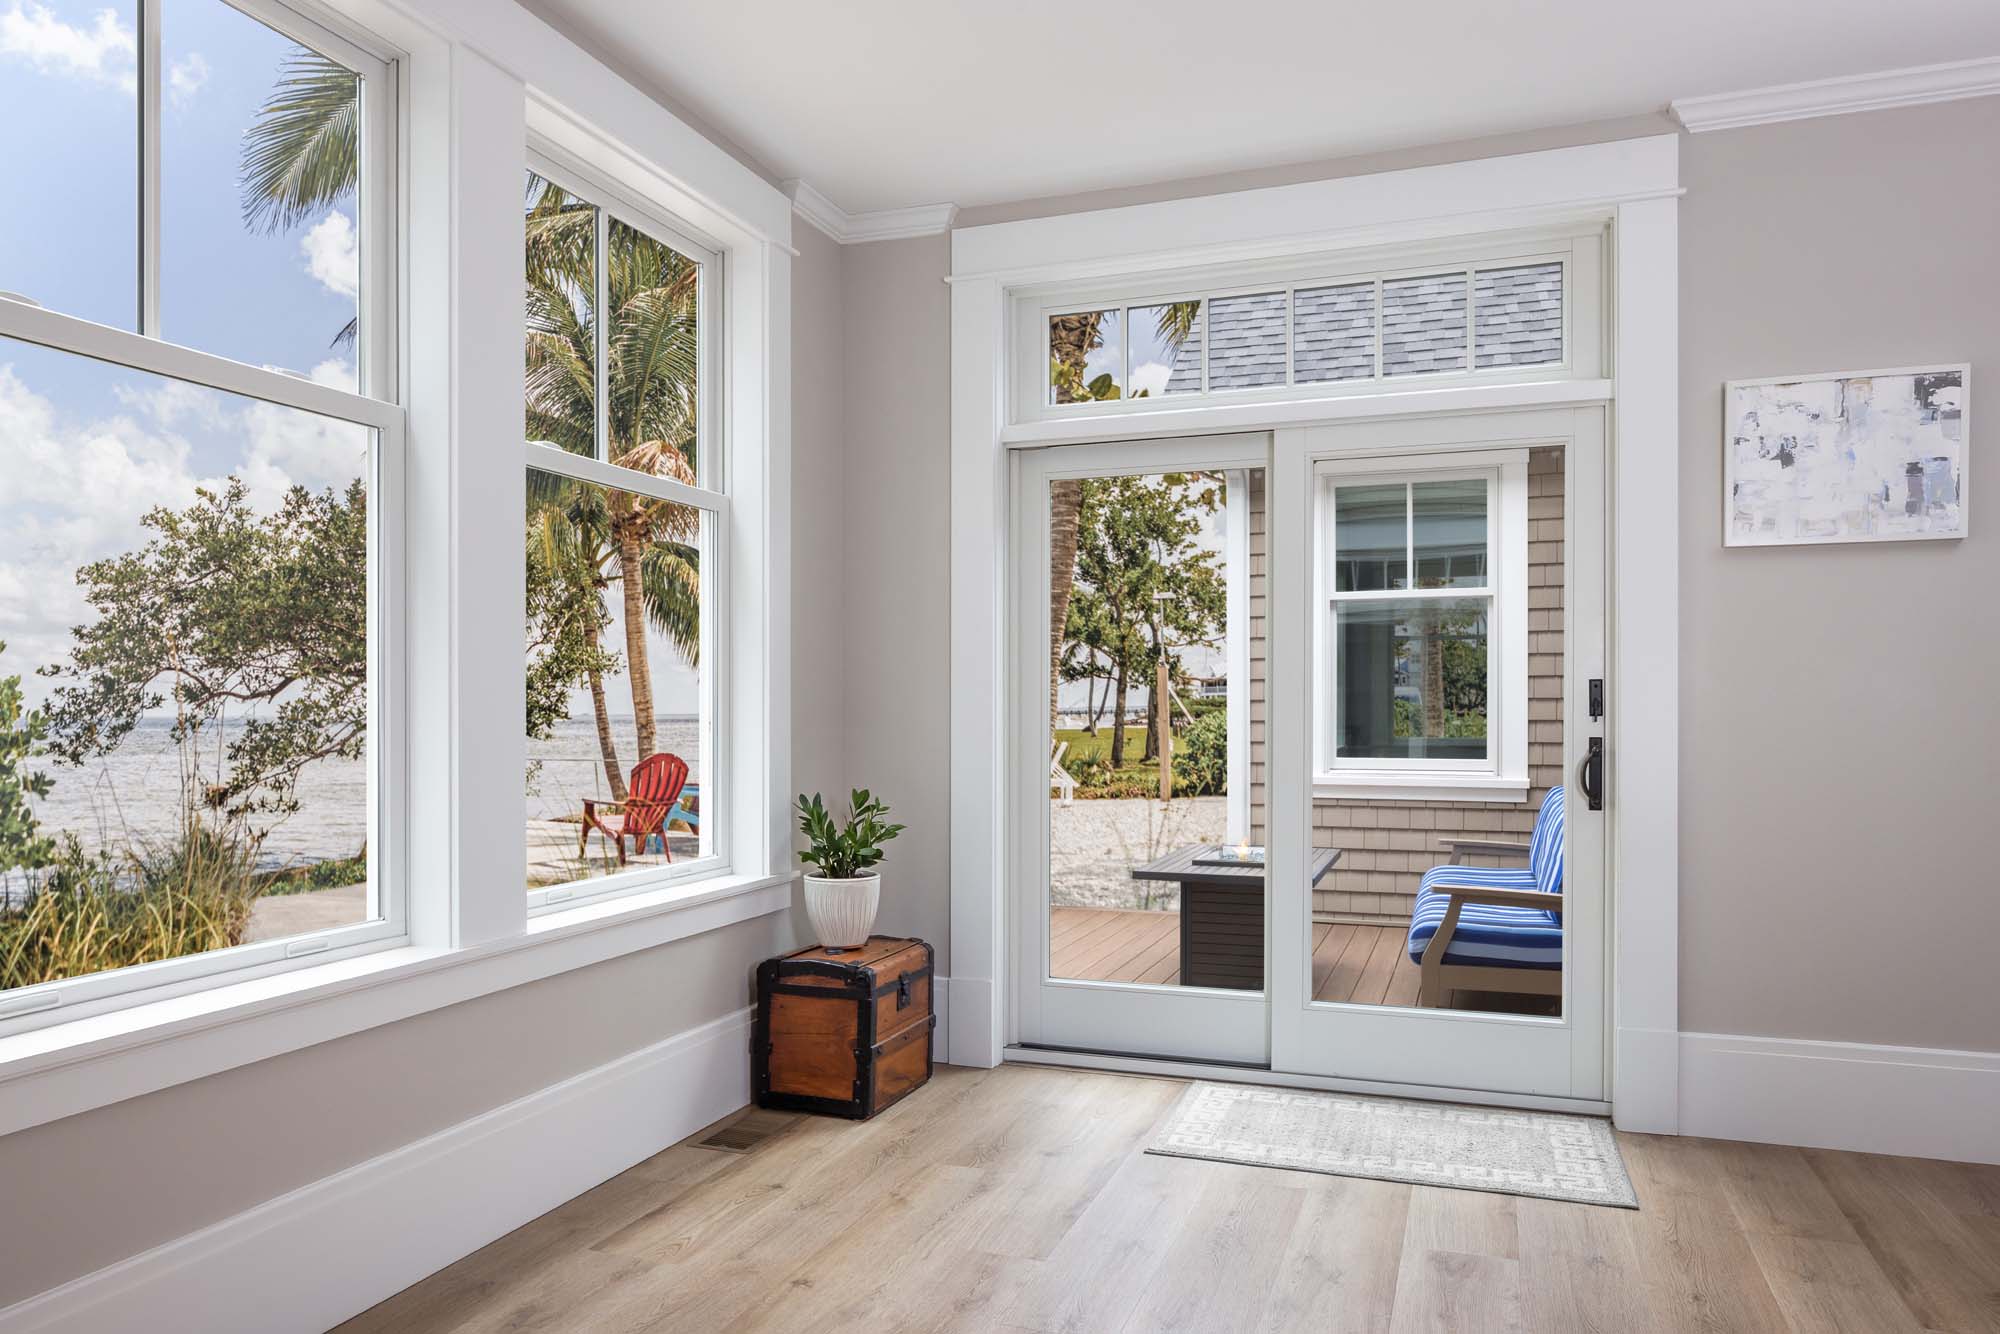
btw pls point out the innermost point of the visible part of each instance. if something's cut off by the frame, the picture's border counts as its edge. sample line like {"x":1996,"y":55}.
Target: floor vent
{"x":748,"y":1132}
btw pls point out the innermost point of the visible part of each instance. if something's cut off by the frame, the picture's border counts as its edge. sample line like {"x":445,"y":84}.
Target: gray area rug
{"x":1547,"y":1155}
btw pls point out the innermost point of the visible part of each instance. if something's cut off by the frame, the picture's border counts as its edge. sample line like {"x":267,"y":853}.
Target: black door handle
{"x":1590,"y":774}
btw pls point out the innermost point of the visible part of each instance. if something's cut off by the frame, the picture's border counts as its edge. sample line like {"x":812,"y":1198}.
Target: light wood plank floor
{"x":1363,"y":964}
{"x":1018,"y":1199}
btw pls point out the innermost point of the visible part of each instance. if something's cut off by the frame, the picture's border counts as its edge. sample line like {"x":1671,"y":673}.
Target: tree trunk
{"x":607,"y":744}
{"x":1090,"y":703}
{"x":1103,"y":700}
{"x":1118,"y":719}
{"x":1433,"y":641}
{"x":1065,"y":502}
{"x":631,"y":552}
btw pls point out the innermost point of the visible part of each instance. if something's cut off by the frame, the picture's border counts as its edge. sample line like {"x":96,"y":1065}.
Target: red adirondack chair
{"x":652,"y":792}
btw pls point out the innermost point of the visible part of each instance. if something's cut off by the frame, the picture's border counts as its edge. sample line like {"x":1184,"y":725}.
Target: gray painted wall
{"x":1840,"y":738}
{"x":895,"y":505}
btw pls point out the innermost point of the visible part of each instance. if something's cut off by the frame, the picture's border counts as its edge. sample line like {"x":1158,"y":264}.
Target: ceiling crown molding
{"x":889,"y":224}
{"x":1835,"y":97}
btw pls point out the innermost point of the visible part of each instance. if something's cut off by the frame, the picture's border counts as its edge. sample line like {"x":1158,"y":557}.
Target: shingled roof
{"x":1517,"y":313}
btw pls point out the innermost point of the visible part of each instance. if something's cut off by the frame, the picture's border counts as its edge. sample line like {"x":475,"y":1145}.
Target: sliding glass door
{"x":1138,"y":910}
{"x":1438,"y":702}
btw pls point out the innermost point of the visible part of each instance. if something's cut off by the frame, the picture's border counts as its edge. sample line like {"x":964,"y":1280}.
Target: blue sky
{"x":88,"y":448}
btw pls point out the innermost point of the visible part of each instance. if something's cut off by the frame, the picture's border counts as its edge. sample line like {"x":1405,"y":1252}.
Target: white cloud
{"x":104,"y":52}
{"x":332,"y":255}
{"x":187,"y":77}
{"x":76,"y":486}
{"x":1151,"y":378}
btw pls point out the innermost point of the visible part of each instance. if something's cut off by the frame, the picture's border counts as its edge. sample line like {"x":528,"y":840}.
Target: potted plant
{"x":843,"y":893}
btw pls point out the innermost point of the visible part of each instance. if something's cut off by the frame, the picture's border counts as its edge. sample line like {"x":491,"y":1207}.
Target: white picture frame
{"x":1847,"y":456}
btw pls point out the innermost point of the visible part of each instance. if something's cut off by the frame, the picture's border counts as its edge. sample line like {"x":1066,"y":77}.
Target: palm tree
{"x":1072,"y":338}
{"x":302,"y":155}
{"x":649,"y":547}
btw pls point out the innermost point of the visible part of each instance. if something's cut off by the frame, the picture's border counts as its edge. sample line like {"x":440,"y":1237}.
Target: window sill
{"x":1418,"y":787}
{"x":63,"y":1069}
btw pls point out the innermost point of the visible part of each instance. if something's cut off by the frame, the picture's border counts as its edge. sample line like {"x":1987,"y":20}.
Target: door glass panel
{"x":1157,"y":591}
{"x":1412,"y":690}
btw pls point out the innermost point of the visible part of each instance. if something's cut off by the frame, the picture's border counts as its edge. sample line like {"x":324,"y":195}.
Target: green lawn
{"x":1083,"y":746}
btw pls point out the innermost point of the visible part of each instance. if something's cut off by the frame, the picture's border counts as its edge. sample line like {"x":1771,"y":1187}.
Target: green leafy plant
{"x":1201,"y":757}
{"x":843,"y":852}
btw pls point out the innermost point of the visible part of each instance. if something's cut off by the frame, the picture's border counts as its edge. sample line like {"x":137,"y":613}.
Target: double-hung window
{"x":626,"y":525}
{"x":1422,"y":645}
{"x":200,"y":484}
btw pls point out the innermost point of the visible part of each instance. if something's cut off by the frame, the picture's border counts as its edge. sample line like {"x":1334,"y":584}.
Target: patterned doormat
{"x":1548,"y":1155}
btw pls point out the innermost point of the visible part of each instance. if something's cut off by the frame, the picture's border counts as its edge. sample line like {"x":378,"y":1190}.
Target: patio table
{"x":1222,"y":914}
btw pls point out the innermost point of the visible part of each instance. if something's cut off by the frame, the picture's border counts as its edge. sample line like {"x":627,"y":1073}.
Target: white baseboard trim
{"x":311,"y":1258}
{"x":1911,"y":1101}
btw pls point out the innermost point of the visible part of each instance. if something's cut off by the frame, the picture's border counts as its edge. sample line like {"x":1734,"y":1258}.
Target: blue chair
{"x":1488,"y":928}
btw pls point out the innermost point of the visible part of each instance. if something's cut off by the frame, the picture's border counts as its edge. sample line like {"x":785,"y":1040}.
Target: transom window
{"x":625,"y":512}
{"x":1421,"y":577}
{"x":1521,"y":309}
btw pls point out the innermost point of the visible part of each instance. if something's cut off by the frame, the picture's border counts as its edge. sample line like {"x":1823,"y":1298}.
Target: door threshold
{"x":1228,"y":1072}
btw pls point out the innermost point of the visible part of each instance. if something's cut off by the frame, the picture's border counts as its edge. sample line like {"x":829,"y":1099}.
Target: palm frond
{"x":302,"y":154}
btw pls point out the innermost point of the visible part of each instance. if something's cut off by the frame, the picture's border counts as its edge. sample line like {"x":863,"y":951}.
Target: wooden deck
{"x":1362,"y":964}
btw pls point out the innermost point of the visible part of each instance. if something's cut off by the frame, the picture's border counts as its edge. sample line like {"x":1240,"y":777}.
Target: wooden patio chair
{"x":1059,"y":777}
{"x":652,"y":793}
{"x":1489,"y":928}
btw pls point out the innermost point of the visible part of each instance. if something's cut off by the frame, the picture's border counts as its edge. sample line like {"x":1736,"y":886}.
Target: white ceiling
{"x":889,"y":103}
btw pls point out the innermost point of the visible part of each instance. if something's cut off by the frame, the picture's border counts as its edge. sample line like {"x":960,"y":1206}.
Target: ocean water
{"x":132,"y":797}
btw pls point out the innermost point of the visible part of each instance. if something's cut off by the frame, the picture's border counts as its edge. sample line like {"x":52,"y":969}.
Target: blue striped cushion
{"x":1545,"y":849}
{"x":1497,"y":937}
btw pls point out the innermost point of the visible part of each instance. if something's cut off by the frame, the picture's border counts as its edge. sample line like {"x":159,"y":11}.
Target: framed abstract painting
{"x":1857,"y":456}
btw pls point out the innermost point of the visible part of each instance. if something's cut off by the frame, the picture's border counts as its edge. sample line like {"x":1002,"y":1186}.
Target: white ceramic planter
{"x":842,"y":911}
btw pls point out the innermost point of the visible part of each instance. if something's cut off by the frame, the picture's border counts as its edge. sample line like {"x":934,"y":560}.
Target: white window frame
{"x":72,"y":998}
{"x":711,"y":499}
{"x":1578,"y":249}
{"x":1503,"y":774}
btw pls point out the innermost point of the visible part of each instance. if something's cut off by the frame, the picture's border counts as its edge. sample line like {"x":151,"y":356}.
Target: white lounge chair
{"x":1059,"y":778}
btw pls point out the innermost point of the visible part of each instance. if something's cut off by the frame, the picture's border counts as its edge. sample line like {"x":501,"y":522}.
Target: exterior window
{"x":1323,"y":335}
{"x":239,"y":212}
{"x":1420,"y":574}
{"x":622,"y":529}
{"x":196,"y":554}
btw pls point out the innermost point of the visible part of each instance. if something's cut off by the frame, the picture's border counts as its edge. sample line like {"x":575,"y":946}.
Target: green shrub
{"x":87,"y":913}
{"x":334,"y":874}
{"x":1201,"y":756}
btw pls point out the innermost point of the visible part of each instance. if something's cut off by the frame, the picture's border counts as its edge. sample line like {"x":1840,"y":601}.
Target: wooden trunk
{"x":843,"y":1032}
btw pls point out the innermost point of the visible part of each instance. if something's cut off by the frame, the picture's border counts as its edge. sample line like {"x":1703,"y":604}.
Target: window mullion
{"x":149,"y":167}
{"x":601,"y":300}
